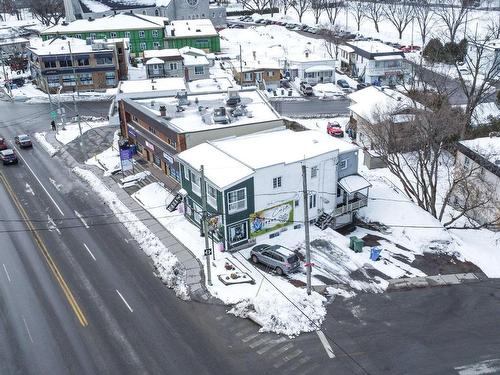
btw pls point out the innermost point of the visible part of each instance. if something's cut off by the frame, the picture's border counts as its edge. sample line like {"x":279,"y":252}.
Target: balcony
{"x":358,"y":201}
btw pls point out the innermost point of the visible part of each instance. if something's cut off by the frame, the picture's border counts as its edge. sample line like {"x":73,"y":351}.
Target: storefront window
{"x":238,"y":232}
{"x":156,"y":160}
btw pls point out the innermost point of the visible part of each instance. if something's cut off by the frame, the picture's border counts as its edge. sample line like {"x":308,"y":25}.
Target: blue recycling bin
{"x":375,"y":253}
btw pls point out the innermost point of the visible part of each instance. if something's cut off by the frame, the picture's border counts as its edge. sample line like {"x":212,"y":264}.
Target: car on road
{"x":343,"y":83}
{"x":333,"y":128}
{"x":276,"y":257}
{"x":306,"y":89}
{"x":23,"y":140}
{"x":3,"y":144}
{"x":8,"y":156}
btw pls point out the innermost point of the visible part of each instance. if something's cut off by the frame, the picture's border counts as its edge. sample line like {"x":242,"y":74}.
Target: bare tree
{"x":482,"y":72}
{"x":318,"y":6}
{"x":358,"y":10}
{"x":425,"y":21}
{"x":400,"y":15}
{"x":300,"y":6}
{"x":451,"y":15}
{"x":255,"y":5}
{"x":332,"y":38}
{"x":375,"y":11}
{"x":285,"y":5}
{"x":48,"y":12}
{"x":332,"y":9}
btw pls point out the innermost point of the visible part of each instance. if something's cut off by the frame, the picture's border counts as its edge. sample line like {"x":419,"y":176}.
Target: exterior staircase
{"x":324,"y":221}
{"x":174,"y":203}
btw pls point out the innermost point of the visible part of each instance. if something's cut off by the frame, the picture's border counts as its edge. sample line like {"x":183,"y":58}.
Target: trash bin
{"x":351,"y":242}
{"x":375,"y":253}
{"x":358,"y":245}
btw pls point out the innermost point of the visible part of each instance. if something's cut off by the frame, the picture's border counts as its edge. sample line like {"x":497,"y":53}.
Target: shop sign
{"x":272,"y":218}
{"x":131,"y":132}
{"x":150,"y":146}
{"x":168,"y":158}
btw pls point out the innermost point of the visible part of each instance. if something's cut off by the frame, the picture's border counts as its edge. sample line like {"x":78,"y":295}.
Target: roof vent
{"x":163,"y":111}
{"x":198,"y":30}
{"x":64,"y":23}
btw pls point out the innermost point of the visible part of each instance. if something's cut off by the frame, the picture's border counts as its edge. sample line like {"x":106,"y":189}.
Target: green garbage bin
{"x":351,"y":243}
{"x":358,"y":245}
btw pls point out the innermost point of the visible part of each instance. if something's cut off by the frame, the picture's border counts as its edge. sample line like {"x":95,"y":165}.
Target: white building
{"x":490,"y":62}
{"x":374,"y":62}
{"x":254,"y":183}
{"x":309,"y":68}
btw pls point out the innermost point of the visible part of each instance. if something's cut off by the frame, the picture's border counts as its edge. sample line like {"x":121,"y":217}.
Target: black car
{"x":343,"y":83}
{"x":8,"y":156}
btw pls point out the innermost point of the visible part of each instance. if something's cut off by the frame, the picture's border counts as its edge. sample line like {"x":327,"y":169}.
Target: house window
{"x":152,"y":130}
{"x":85,"y":78}
{"x":314,"y":172}
{"x":92,"y":36}
{"x":172,"y":143}
{"x":312,"y":200}
{"x":49,"y":64}
{"x":53,"y":81}
{"x":237,"y":233}
{"x":237,"y":200}
{"x":127,"y":34}
{"x":155,"y":33}
{"x":199,"y":70}
{"x":104,"y":60}
{"x":156,"y":45}
{"x":186,"y":173}
{"x":276,"y":182}
{"x":173,"y":66}
{"x":112,"y":34}
{"x":270,"y":73}
{"x":466,"y":161}
{"x":69,"y":80}
{"x":142,"y":46}
{"x":157,"y":160}
{"x":78,"y":36}
{"x":65,"y":63}
{"x":343,"y":164}
{"x":195,"y":184}
{"x":82,"y":61}
{"x":258,"y":76}
{"x":339,"y":192}
{"x":110,"y":79}
{"x":248,"y":76}
{"x":142,"y":34}
{"x":211,"y":196}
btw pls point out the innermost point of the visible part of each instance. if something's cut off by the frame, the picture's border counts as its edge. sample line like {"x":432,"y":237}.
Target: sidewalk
{"x":194,"y":270}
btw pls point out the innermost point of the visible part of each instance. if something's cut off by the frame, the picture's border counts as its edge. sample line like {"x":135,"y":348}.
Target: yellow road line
{"x":43,"y":249}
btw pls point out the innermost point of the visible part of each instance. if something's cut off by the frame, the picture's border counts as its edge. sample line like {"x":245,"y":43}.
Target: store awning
{"x":319,"y":68}
{"x":353,"y":183}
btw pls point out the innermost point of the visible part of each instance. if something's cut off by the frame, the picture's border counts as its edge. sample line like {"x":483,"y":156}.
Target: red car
{"x":3,"y":144}
{"x":409,"y":48}
{"x":334,"y":129}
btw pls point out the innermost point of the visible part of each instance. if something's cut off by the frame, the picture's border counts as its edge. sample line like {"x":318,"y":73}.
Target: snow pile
{"x":166,"y":263}
{"x":71,"y":131}
{"x":289,"y":313}
{"x":109,"y":159}
{"x":40,"y":137}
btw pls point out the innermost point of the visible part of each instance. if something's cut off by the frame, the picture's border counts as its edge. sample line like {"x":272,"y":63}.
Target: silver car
{"x":278,"y":258}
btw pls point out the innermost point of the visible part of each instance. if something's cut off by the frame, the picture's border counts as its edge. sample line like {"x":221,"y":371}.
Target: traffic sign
{"x":53,"y":115}
{"x":208,"y":252}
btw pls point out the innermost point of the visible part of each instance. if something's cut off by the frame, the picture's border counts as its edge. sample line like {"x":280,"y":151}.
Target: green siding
{"x":135,"y":39}
{"x":211,"y":43}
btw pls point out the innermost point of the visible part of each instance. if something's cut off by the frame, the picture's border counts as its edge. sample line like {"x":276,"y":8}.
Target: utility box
{"x":356,"y":244}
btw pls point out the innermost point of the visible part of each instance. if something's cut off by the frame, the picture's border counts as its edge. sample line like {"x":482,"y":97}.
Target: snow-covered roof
{"x":120,"y":21}
{"x":373,"y":46}
{"x":167,"y":52}
{"x":107,"y":5}
{"x":388,"y":58}
{"x":200,"y":86}
{"x":487,"y":147}
{"x":354,"y":183}
{"x":249,"y":65}
{"x":484,"y":113}
{"x":198,"y":115}
{"x":192,"y":51}
{"x":194,"y":60}
{"x":372,"y":102}
{"x":147,"y":85}
{"x":319,"y":68}
{"x":346,"y":48}
{"x":154,"y":60}
{"x":59,"y":46}
{"x":287,"y":147}
{"x":219,"y":168}
{"x":9,"y":41}
{"x":190,"y":28}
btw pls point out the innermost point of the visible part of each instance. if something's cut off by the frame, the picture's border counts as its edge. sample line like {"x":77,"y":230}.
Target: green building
{"x":144,"y":32}
{"x":196,"y":33}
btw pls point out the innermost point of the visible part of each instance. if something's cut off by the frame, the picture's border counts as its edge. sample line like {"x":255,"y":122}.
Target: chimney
{"x":172,"y":32}
{"x":254,"y":54}
{"x":307,"y":54}
{"x":163,"y":111}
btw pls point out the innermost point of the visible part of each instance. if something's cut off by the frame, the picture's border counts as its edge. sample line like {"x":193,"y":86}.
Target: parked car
{"x":306,"y":89}
{"x":333,"y":128}
{"x":238,"y":26}
{"x":8,"y":156}
{"x":23,"y":140}
{"x":3,"y":144}
{"x":362,"y":85}
{"x":343,"y":83}
{"x":278,"y":258}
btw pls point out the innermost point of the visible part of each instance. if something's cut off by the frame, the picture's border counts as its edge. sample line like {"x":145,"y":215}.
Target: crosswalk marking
{"x":260,"y":342}
{"x":271,"y":345}
{"x":296,"y":364}
{"x":287,"y":358}
{"x":251,"y":337}
{"x":245,"y":331}
{"x":281,"y":350}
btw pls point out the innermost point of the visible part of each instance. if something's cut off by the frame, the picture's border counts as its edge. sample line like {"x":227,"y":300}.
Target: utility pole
{"x":77,"y":92}
{"x":204,"y":219}
{"x":5,"y":75}
{"x":241,"y":69}
{"x":306,"y":228}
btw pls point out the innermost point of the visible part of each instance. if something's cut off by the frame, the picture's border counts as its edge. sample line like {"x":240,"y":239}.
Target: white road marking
{"x":52,"y":225}
{"x":56,"y":185}
{"x":90,"y":252}
{"x":28,"y":330}
{"x":82,"y":219}
{"x":259,"y":342}
{"x":250,"y":337}
{"x":326,"y":344}
{"x":40,"y":182}
{"x":271,"y":345}
{"x":124,"y":301}
{"x":29,"y":189}
{"x":489,"y":366}
{"x":6,"y":272}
